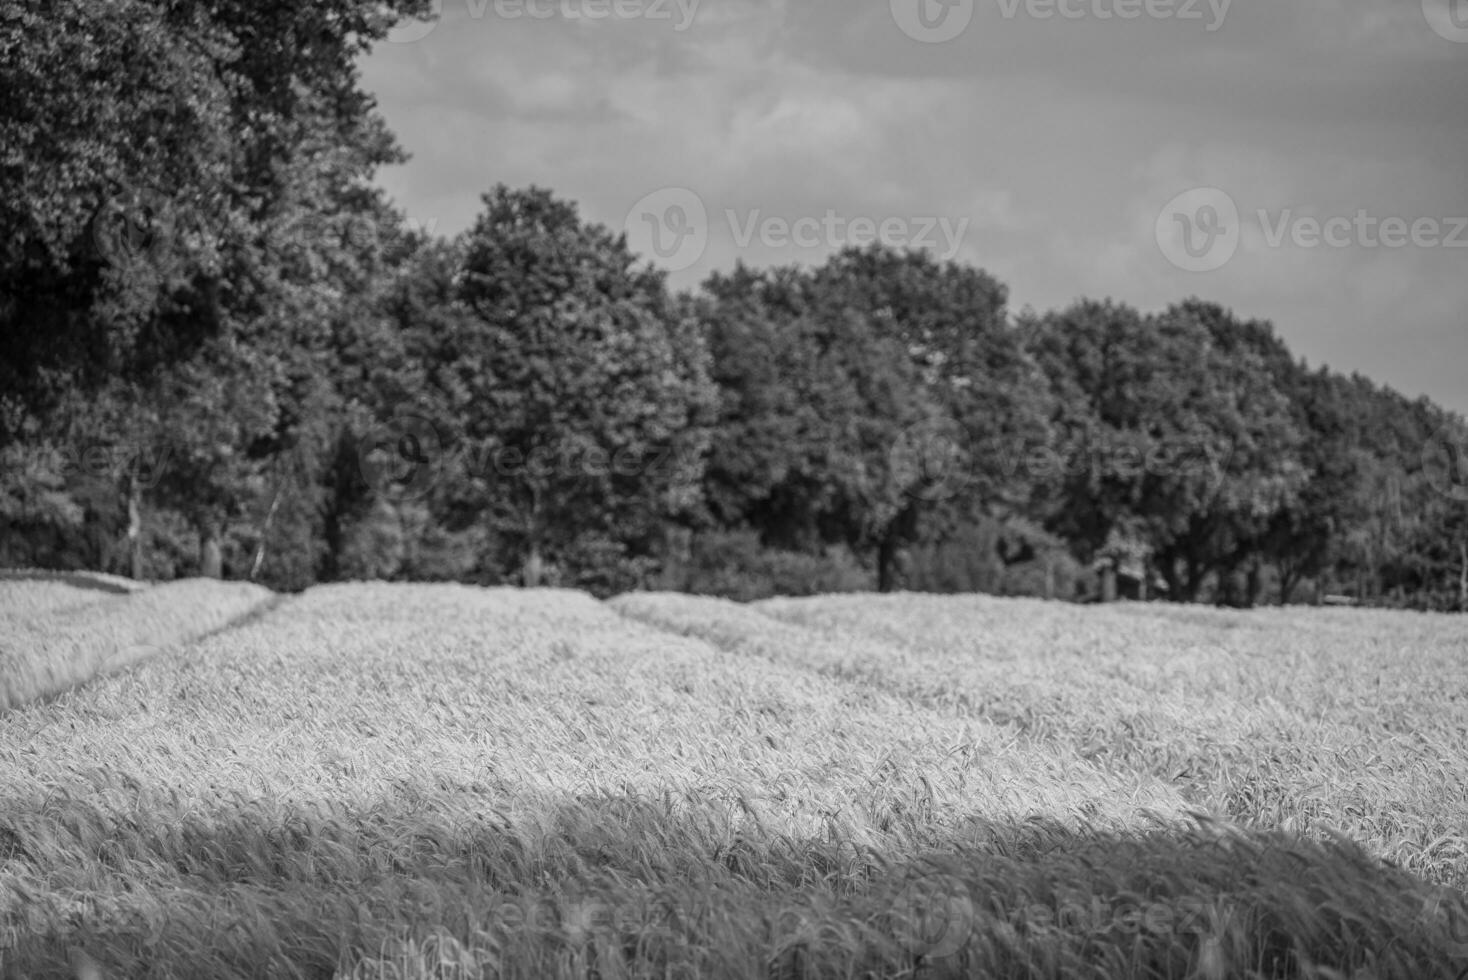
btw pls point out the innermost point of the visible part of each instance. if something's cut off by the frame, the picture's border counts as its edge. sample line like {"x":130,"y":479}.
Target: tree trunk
{"x":265,"y":533}
{"x":677,"y":556}
{"x":211,"y":560}
{"x":134,"y":532}
{"x":1289,"y":580}
{"x":533,"y":573}
{"x":1108,"y":583}
{"x":534,"y":569}
{"x":1253,"y":585}
{"x":887,"y":563}
{"x":1171,"y":577}
{"x":1193,"y":581}
{"x":1463,"y":576}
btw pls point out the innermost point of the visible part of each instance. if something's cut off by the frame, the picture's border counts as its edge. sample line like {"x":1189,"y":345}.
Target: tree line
{"x":223,"y":352}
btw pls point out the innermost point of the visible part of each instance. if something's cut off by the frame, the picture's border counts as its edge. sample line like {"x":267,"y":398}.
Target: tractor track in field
{"x":136,"y":654}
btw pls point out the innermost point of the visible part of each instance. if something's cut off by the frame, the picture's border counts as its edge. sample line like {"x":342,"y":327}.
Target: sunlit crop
{"x":391,"y":781}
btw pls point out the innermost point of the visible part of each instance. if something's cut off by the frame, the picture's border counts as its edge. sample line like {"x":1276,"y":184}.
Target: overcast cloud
{"x":1044,"y":141}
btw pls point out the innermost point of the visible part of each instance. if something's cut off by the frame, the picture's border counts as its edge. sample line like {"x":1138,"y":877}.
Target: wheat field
{"x":405,"y":781}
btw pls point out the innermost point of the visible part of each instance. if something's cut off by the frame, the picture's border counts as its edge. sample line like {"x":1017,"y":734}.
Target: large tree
{"x":1175,"y":433}
{"x":576,"y":390}
{"x":865,"y":402}
{"x":177,"y":213}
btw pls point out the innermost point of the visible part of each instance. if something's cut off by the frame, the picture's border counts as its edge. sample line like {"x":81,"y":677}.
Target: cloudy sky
{"x":1302,"y":161}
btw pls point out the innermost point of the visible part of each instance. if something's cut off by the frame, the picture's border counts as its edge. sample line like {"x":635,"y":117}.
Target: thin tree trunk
{"x":677,"y":556}
{"x":1289,"y":580}
{"x":265,"y":532}
{"x":1173,"y":580}
{"x":886,"y":563}
{"x":534,"y":571}
{"x":1463,"y":576}
{"x":534,"y":567}
{"x":1195,"y":578}
{"x":211,"y":560}
{"x":134,"y":531}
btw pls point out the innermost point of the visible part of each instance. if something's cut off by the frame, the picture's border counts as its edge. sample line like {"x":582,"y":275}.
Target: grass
{"x":26,"y":598}
{"x":1303,"y":719}
{"x":379,"y":781}
{"x":58,"y":635}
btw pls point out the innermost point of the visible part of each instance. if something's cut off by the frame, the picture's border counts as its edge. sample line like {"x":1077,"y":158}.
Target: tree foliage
{"x":222,"y":351}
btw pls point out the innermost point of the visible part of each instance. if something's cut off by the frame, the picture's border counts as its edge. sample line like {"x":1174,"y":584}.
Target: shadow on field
{"x":95,"y":581}
{"x":435,"y":882}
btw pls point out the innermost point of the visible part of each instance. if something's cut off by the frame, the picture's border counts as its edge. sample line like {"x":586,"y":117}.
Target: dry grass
{"x":435,"y":782}
{"x":20,"y":599}
{"x":55,"y":636}
{"x":1307,"y":720}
